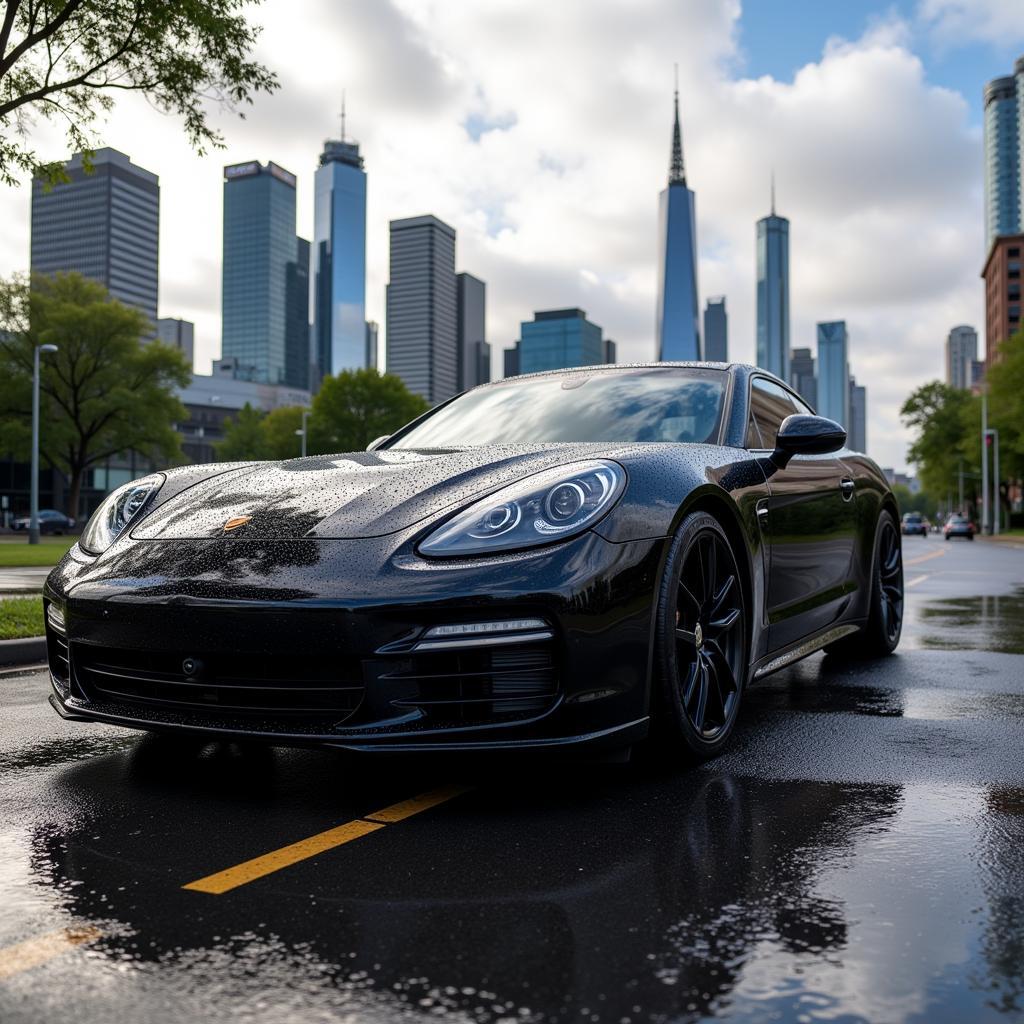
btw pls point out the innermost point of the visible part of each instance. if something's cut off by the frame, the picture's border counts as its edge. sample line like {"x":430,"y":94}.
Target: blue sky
{"x":777,"y":37}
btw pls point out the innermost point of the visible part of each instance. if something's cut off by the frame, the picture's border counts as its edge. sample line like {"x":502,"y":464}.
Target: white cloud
{"x":953,"y":22}
{"x":878,"y":171}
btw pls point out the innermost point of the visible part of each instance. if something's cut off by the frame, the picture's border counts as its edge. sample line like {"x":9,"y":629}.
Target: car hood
{"x":363,"y":494}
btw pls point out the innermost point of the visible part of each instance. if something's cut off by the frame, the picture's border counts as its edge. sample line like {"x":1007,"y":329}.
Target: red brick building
{"x":1002,"y":276}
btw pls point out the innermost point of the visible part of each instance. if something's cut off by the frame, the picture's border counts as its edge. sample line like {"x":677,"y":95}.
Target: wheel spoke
{"x":711,"y":568}
{"x":685,"y":592}
{"x":723,"y":670}
{"x":702,"y":698}
{"x":686,"y":636}
{"x":716,"y":627}
{"x":719,"y":599}
{"x":692,"y":679}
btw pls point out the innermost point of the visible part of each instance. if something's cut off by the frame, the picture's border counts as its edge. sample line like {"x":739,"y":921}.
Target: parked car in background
{"x":914,"y":523}
{"x":958,"y":526}
{"x":50,"y":521}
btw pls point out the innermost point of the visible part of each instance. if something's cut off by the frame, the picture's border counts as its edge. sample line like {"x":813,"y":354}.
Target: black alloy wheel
{"x":702,"y":640}
{"x":889,"y":582}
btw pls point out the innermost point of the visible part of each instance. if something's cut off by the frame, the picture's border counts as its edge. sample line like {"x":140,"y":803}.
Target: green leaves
{"x":66,"y":59}
{"x":350,"y":410}
{"x":103,"y":391}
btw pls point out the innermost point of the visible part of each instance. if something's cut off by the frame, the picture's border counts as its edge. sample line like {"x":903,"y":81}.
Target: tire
{"x":701,"y":657}
{"x":880,"y":635}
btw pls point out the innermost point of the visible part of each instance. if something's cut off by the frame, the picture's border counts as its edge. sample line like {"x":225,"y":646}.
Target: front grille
{"x":218,"y":683}
{"x":473,"y":685}
{"x":57,"y":658}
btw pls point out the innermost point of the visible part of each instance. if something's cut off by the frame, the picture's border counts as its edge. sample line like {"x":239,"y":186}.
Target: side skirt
{"x":803,"y":648}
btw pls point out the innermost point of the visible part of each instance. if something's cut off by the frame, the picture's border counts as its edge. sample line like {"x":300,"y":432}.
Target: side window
{"x":769,"y":406}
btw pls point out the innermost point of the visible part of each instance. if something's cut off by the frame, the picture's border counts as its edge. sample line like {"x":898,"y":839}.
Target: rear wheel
{"x":881,"y":634}
{"x":701,"y":655}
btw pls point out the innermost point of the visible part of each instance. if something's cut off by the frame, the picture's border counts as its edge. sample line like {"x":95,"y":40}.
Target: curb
{"x":28,"y":651}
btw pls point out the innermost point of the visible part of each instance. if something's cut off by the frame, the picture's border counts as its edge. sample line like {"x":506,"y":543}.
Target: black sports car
{"x":580,"y":559}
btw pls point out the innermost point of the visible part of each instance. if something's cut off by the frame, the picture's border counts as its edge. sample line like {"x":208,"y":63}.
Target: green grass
{"x":17,"y":552}
{"x":21,"y":617}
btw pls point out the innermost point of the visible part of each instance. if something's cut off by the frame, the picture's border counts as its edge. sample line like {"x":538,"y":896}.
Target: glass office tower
{"x":265,"y":327}
{"x":834,"y":372}
{"x":1003,"y":155}
{"x":559,"y":338}
{"x":104,"y":225}
{"x":857,"y":431}
{"x":422,"y":327}
{"x":716,"y":331}
{"x":677,"y":328}
{"x":338,"y":278}
{"x":802,"y":376}
{"x":474,"y":352}
{"x":773,"y":293}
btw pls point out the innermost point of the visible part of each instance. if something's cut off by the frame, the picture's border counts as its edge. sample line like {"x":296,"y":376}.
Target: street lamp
{"x":33,"y":522}
{"x":302,"y":433}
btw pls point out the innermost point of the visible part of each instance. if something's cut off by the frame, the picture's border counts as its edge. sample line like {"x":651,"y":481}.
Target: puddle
{"x":970,"y":623}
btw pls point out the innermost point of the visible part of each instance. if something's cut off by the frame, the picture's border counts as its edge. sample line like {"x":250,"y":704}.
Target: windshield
{"x":675,"y":405}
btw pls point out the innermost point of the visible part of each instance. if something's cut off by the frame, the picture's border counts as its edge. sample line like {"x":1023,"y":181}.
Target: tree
{"x":66,"y":59}
{"x":279,"y":426}
{"x":941,"y":417}
{"x":1005,"y":381}
{"x":244,"y":438}
{"x":102,"y":393}
{"x":355,"y":407}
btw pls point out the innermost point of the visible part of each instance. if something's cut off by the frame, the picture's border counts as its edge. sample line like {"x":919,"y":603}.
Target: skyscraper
{"x":559,"y":338}
{"x":801,"y":376}
{"x":961,"y":351}
{"x":105,"y":225}
{"x":510,"y":361}
{"x":716,"y":331}
{"x":834,"y":372}
{"x":474,"y":352}
{"x":372,"y":337}
{"x":773,"y":293}
{"x":338,"y":275}
{"x":265,"y":318}
{"x":179,"y":334}
{"x":422,"y":329}
{"x":1002,"y":275}
{"x":677,"y":329}
{"x":1004,"y":141}
{"x":857,"y":431}
{"x":611,"y":351}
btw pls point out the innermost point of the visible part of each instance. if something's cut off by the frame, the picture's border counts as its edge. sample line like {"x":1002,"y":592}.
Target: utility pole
{"x":33,"y":513}
{"x":984,"y":462}
{"x":995,"y":483}
{"x":960,"y":490}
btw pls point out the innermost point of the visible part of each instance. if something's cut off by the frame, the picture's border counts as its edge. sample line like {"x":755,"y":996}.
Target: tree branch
{"x":30,"y":40}
{"x":5,"y":29}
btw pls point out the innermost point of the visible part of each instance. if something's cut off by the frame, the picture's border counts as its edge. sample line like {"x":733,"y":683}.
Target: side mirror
{"x":806,"y":435}
{"x":377,"y":442}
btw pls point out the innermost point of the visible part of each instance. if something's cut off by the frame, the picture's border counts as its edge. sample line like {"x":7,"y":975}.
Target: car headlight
{"x":119,"y":508}
{"x":546,"y":506}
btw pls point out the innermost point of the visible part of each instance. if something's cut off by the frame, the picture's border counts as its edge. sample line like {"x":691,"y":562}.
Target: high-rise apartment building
{"x":265,"y":294}
{"x":773,"y":293}
{"x":1004,"y":143}
{"x":961,"y":352}
{"x":678,"y":313}
{"x":716,"y":331}
{"x":857,"y":430}
{"x":559,"y":338}
{"x":471,"y":314}
{"x":1002,"y":275}
{"x":802,"y":376}
{"x":338,"y":276}
{"x":834,"y":372}
{"x":422,"y":328}
{"x":104,"y":224}
{"x":179,"y":334}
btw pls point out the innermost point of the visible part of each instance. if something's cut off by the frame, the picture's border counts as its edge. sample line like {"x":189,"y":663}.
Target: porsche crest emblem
{"x":235,"y":522}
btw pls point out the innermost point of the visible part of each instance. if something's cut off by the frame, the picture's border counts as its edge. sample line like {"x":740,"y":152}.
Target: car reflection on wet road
{"x":858,"y":854}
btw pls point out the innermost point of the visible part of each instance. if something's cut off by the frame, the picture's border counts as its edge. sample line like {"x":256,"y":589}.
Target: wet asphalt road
{"x":857,"y":855}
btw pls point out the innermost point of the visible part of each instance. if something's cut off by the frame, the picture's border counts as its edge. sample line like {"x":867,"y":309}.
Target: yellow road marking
{"x":268,"y":863}
{"x":23,"y":956}
{"x":924,"y":558}
{"x":918,"y":579}
{"x":407,"y":808}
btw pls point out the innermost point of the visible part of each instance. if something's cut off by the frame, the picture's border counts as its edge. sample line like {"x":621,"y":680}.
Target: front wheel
{"x":701,"y":644}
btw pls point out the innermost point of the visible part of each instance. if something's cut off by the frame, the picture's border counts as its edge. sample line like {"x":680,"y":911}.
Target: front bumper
{"x":321,"y":642}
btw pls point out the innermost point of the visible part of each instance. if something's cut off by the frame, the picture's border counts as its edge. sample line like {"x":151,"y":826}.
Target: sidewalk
{"x":23,"y":580}
{"x":1007,"y":540}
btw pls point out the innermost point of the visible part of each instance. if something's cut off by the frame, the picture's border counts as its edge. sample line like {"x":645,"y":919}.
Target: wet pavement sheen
{"x":857,"y":855}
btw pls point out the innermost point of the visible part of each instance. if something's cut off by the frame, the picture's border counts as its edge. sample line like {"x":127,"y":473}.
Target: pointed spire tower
{"x":678,"y":315}
{"x":773,"y":292}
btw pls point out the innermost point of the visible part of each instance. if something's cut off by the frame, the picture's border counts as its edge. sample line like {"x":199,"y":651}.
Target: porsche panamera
{"x":582,"y":560}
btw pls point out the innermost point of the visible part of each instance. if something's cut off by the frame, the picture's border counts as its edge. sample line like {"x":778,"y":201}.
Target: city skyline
{"x":550,"y":215}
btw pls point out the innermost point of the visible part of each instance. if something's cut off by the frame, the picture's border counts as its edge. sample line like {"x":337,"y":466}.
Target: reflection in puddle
{"x":973,"y":623}
{"x":562,"y":897}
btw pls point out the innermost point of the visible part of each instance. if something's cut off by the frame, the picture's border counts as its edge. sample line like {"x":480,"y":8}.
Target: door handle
{"x":846,"y":486}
